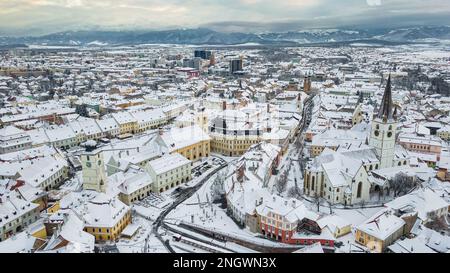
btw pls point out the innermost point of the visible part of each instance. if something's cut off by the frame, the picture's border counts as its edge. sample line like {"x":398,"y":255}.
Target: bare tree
{"x":281,"y":182}
{"x":402,"y":183}
{"x":298,"y":145}
{"x":217,"y":189}
{"x":292,"y":192}
{"x":317,"y":201}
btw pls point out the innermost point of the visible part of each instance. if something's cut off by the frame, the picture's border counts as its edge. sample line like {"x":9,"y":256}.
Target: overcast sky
{"x":43,"y":16}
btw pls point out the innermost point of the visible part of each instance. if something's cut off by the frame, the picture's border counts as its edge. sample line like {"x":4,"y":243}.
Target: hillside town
{"x":225,"y":149}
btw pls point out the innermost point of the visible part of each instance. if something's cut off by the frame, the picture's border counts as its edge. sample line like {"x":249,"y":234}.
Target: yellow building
{"x":380,"y":231}
{"x":109,"y":233}
{"x":444,"y":133}
{"x":106,"y":218}
{"x":233,"y":132}
{"x":232,"y":145}
{"x":195,"y":151}
{"x":335,"y":224}
{"x":127,"y":123}
{"x":54,"y":208}
{"x":135,"y":186}
{"x":316,"y":150}
{"x":191,"y":142}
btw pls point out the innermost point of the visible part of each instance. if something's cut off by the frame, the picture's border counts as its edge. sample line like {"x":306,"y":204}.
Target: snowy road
{"x":187,"y":193}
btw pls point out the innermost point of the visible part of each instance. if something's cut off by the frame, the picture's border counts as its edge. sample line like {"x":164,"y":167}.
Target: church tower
{"x":307,"y":84}
{"x":384,"y":126}
{"x":93,"y":171}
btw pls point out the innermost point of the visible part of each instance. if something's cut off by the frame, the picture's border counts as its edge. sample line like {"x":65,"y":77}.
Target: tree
{"x":281,"y":182}
{"x":317,"y":201}
{"x":402,"y":184}
{"x":217,"y":189}
{"x":292,"y":192}
{"x":298,"y":144}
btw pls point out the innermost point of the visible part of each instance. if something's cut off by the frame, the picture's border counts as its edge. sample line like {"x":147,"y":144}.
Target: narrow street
{"x":187,"y":193}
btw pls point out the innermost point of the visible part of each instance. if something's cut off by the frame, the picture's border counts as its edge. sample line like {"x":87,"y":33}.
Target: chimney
{"x":224,"y":105}
{"x":268,"y":108}
{"x":285,"y":202}
{"x":293,"y":203}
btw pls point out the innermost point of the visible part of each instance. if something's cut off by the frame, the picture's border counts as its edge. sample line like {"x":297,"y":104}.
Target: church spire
{"x":385,"y":113}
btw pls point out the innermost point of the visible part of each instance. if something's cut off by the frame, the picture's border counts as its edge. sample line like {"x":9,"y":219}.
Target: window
{"x":359,"y":192}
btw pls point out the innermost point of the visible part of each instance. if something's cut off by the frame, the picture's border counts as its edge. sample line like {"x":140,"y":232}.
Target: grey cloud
{"x":43,"y":16}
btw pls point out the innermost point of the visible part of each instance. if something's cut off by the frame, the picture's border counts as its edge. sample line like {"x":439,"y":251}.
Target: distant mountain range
{"x":203,"y":36}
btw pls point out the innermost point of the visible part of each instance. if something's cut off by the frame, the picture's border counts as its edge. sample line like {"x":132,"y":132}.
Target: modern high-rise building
{"x":195,"y":63}
{"x":236,"y":65}
{"x":204,"y":54}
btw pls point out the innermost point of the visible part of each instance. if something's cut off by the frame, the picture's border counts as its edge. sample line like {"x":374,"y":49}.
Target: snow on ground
{"x":137,"y":243}
{"x":73,"y":184}
{"x":150,"y":213}
{"x":211,"y":216}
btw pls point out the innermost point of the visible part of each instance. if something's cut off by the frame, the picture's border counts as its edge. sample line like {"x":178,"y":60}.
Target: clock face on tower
{"x":88,"y":164}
